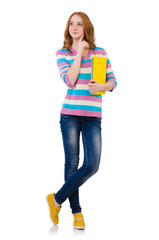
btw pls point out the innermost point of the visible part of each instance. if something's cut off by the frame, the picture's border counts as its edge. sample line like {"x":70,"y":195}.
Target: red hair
{"x":88,"y":31}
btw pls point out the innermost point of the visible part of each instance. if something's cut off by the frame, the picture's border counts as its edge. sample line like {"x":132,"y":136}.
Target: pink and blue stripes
{"x":79,"y":101}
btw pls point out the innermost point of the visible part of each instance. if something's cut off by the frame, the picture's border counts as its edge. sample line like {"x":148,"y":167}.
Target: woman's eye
{"x":79,"y":24}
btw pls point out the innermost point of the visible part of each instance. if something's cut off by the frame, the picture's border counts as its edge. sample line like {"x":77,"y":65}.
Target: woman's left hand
{"x":93,"y":86}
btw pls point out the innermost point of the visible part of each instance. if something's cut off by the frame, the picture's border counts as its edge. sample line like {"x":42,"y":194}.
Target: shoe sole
{"x":79,"y":228}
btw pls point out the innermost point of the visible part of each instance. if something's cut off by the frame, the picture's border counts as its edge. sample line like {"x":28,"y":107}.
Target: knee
{"x":95,"y":169}
{"x":70,"y":169}
{"x":71,"y":162}
{"x":71,"y":166}
{"x":92,"y":168}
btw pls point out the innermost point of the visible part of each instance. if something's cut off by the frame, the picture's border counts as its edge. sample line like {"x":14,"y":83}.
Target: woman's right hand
{"x":82,"y":45}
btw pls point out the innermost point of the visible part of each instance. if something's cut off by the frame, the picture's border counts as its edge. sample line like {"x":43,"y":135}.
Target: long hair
{"x":88,"y":31}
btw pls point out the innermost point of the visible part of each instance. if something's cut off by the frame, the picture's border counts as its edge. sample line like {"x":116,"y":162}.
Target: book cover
{"x":98,"y":71}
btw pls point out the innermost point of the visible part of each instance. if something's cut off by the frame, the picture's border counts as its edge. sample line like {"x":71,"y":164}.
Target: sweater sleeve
{"x":63,"y":67}
{"x":110,"y":77}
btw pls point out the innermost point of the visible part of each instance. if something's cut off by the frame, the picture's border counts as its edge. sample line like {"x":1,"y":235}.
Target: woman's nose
{"x":74,"y":27}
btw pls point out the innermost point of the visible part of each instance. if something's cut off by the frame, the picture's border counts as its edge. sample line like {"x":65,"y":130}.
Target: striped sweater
{"x":79,"y":101}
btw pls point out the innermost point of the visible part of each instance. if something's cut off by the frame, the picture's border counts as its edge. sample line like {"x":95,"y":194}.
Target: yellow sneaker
{"x":54,"y":211}
{"x":78,"y":222}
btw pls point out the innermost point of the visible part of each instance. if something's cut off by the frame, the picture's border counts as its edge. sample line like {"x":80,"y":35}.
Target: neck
{"x":75,"y":46}
{"x":75,"y":43}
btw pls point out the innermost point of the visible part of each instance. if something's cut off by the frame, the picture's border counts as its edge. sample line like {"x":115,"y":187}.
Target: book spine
{"x":92,"y":68}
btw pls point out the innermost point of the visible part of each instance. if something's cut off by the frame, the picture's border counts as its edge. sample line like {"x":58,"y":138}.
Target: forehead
{"x":76,"y":18}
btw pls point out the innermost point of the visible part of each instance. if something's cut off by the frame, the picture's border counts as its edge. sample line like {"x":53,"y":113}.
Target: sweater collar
{"x":75,"y":52}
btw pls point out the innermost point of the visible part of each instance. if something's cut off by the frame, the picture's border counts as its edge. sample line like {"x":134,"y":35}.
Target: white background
{"x":121,"y":200}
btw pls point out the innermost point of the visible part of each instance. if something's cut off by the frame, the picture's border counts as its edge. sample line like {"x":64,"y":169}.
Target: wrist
{"x":102,"y":87}
{"x":108,"y":86}
{"x":79,"y":54}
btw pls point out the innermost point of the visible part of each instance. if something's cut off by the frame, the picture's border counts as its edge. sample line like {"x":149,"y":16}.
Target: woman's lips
{"x":74,"y":32}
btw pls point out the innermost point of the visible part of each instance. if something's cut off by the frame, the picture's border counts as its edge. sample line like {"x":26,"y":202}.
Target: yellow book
{"x":98,"y":71}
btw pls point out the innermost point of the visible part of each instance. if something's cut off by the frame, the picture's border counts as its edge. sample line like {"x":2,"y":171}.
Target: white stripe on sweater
{"x":80,"y":87}
{"x":83,"y":102}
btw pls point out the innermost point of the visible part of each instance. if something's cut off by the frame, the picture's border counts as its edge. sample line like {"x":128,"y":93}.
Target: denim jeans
{"x":71,"y":127}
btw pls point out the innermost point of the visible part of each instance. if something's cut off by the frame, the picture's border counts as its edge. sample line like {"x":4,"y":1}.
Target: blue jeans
{"x":71,"y":126}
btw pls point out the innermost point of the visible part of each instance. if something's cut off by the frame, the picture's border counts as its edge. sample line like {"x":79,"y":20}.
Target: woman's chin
{"x":76,"y":37}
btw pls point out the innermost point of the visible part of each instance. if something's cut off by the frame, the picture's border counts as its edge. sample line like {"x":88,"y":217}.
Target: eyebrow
{"x":77,"y":22}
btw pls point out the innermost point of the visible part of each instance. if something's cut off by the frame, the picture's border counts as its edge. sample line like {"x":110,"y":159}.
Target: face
{"x":76,"y":29}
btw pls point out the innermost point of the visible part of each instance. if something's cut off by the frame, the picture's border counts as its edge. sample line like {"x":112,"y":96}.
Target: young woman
{"x":81,"y":112}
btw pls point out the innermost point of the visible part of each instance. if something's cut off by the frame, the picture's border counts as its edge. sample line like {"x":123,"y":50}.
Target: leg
{"x":92,"y":143}
{"x":91,"y":132}
{"x":70,"y":128}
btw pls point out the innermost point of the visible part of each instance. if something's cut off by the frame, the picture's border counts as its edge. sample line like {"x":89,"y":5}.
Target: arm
{"x":73,"y":72}
{"x":63,"y":67}
{"x":110,"y":84}
{"x":94,"y":86}
{"x":70,"y":74}
{"x":110,"y":77}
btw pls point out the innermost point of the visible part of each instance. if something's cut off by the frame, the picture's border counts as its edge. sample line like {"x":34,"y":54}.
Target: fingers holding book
{"x":93,"y":86}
